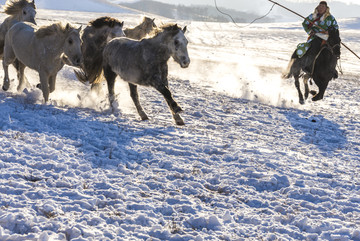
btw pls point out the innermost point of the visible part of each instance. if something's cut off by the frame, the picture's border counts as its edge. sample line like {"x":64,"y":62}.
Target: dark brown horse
{"x":94,"y":38}
{"x":319,"y":63}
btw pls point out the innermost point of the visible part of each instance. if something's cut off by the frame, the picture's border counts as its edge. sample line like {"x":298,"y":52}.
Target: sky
{"x":339,"y":8}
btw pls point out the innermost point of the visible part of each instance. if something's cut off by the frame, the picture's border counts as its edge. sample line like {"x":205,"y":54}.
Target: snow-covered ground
{"x":250,"y":163}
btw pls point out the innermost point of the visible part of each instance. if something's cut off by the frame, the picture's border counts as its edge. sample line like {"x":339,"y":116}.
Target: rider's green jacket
{"x":310,"y":25}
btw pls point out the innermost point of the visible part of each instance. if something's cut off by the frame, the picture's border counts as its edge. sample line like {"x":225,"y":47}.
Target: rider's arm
{"x":306,"y":23}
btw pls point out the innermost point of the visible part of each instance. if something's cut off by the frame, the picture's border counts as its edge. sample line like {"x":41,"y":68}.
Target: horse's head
{"x":29,"y":12}
{"x":22,"y":10}
{"x":72,"y":47}
{"x":116,"y":31}
{"x":334,"y":40}
{"x":178,"y":47}
{"x":148,"y":25}
{"x":109,"y":27}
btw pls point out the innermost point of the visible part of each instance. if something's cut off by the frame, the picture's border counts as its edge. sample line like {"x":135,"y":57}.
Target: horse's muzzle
{"x":32,"y":20}
{"x":185,"y":62}
{"x":78,"y":61}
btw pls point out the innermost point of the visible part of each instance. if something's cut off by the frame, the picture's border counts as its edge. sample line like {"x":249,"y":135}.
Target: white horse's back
{"x":20,"y":38}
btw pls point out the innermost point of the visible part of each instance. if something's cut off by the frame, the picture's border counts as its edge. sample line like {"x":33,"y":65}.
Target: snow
{"x":250,"y":163}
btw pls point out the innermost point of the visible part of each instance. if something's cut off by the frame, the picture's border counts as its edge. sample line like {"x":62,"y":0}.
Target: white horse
{"x":45,"y":49}
{"x":144,"y":62}
{"x":18,"y":11}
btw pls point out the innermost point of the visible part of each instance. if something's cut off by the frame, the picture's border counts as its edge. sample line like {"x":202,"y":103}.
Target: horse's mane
{"x":172,"y":28}
{"x":51,"y":29}
{"x":106,"y":21}
{"x":146,"y":21}
{"x":13,"y":7}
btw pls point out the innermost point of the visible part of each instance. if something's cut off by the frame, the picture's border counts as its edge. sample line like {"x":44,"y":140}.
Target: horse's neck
{"x":137,"y":28}
{"x":8,"y":23}
{"x":55,"y":44}
{"x":16,"y":17}
{"x":98,"y":37}
{"x":159,"y":43}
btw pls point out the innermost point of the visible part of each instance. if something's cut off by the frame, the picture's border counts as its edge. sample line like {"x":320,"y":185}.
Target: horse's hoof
{"x":313,"y":92}
{"x":5,"y":88}
{"x":144,"y":118}
{"x":316,"y":98}
{"x":178,"y":120}
{"x":302,"y":102}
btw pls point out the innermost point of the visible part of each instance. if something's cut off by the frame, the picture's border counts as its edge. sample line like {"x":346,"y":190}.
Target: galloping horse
{"x":140,"y":31}
{"x":94,"y":38}
{"x":323,"y":59}
{"x":45,"y":49}
{"x":144,"y":62}
{"x":19,"y":11}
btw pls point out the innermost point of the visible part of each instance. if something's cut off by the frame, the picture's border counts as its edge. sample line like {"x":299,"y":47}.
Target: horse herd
{"x":103,"y":49}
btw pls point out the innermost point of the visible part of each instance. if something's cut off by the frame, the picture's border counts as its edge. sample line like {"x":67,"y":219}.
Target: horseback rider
{"x":315,"y":25}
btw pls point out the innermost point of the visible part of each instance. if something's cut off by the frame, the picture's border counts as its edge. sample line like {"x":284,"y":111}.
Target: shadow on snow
{"x":326,"y":135}
{"x":103,"y":141}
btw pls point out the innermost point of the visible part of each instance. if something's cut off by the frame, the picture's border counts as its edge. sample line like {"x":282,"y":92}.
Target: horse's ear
{"x":184,"y":29}
{"x":33,"y":1}
{"x":67,"y":27}
{"x":79,"y":29}
{"x":122,"y":24}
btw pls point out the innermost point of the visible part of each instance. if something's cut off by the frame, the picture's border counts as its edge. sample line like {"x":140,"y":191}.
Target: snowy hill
{"x":250,"y":163}
{"x":79,"y":5}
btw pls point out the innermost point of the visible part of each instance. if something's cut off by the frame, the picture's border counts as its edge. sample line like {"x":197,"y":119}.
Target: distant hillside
{"x":195,"y":12}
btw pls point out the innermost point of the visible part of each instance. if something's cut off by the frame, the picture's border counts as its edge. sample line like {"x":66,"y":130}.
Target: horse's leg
{"x":110,"y":77}
{"x":44,"y":85}
{"x":20,"y":67}
{"x":306,"y":84}
{"x":9,"y":58}
{"x":52,"y":82}
{"x":297,"y":85}
{"x":320,"y":94}
{"x":135,"y":97}
{"x":174,"y":107}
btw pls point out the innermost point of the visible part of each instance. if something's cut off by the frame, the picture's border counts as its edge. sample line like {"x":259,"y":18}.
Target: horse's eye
{"x":176,"y":42}
{"x":24,"y":12}
{"x":70,"y":41}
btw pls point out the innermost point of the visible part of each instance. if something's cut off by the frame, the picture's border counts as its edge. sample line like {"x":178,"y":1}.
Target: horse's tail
{"x":287,"y":73}
{"x":91,"y":71}
{"x":92,"y":78}
{"x":99,"y":78}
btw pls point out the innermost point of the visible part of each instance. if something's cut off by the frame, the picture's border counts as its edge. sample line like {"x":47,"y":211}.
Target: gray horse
{"x":144,"y":28}
{"x":45,"y":49}
{"x":94,"y":38}
{"x":19,"y":11}
{"x":144,"y":62}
